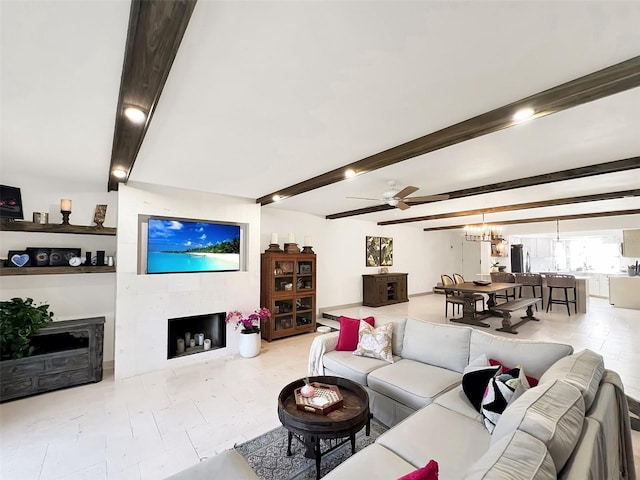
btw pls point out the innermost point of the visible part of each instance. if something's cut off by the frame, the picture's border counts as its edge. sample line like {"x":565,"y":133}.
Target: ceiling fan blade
{"x":365,"y":198}
{"x":406,"y":191}
{"x":427,"y":198}
{"x":402,"y":206}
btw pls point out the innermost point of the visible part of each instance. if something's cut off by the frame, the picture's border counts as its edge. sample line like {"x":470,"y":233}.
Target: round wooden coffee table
{"x":341,"y":424}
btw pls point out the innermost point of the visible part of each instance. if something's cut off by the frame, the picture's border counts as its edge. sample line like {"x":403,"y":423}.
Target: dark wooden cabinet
{"x":384,"y":289}
{"x":68,"y":353}
{"x":288,"y":290}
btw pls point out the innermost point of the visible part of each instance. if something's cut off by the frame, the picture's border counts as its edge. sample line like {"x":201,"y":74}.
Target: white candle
{"x":292,"y":238}
{"x":307,"y":241}
{"x":65,"y":205}
{"x":180,"y":348}
{"x":207,"y":343}
{"x":274,"y":238}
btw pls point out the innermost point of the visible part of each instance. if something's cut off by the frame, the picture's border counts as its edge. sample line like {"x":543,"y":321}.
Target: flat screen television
{"x":181,"y":246}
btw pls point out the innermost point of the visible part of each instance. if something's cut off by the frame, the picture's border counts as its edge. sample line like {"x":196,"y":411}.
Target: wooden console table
{"x":68,"y":353}
{"x":384,"y":289}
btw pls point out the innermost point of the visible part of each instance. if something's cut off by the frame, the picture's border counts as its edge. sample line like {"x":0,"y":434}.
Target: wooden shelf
{"x":54,"y":228}
{"x":7,"y":271}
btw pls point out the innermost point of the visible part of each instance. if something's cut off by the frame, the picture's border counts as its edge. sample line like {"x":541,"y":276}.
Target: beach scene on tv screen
{"x":176,"y":246}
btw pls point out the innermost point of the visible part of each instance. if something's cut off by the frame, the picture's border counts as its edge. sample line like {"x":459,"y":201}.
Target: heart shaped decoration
{"x":20,"y":260}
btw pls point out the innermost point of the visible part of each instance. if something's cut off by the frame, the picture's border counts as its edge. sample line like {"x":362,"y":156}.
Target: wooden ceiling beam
{"x":609,"y":81}
{"x":613,"y":213}
{"x":562,"y":175}
{"x":520,"y":206}
{"x":156,"y":28}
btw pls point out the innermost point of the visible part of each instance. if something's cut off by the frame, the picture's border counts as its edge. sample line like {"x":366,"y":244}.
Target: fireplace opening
{"x":196,"y":334}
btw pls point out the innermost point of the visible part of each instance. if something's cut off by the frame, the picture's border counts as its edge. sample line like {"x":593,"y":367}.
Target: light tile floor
{"x":153,"y":425}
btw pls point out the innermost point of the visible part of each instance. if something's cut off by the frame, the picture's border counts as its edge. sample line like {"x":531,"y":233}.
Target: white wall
{"x":340,"y":248}
{"x":69,"y":296}
{"x":146,"y":302}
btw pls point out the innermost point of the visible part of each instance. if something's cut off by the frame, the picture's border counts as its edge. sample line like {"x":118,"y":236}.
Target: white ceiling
{"x":266,"y":94}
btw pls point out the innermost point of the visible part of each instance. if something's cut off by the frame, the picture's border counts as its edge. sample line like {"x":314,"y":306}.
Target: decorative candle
{"x":187,"y":338}
{"x":180,"y":348}
{"x":307,"y":241}
{"x":192,"y":342}
{"x":200,"y":338}
{"x":274,"y":238}
{"x":207,"y":343}
{"x":292,"y":238}
{"x":65,"y":205}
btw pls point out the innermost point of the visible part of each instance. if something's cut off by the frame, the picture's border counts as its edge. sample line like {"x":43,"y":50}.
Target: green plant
{"x":19,"y":320}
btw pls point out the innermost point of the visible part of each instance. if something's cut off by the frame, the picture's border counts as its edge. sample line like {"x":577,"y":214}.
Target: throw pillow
{"x":501,"y":391}
{"x":532,"y":381}
{"x":428,"y":472}
{"x":375,"y":342}
{"x":475,"y":379}
{"x":348,"y":335}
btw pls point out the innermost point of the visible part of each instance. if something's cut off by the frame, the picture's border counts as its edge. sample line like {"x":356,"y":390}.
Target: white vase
{"x":249,"y":344}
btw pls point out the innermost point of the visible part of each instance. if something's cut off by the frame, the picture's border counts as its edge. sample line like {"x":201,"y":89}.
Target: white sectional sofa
{"x":574,"y":425}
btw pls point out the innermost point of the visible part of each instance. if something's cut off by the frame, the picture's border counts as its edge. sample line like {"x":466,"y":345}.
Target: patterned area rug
{"x":267,"y":454}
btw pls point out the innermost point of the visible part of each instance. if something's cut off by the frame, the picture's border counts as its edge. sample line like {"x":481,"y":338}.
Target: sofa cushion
{"x":517,"y":456}
{"x":348,"y":335}
{"x":445,"y":346}
{"x":536,"y":357}
{"x":412,"y":383}
{"x":475,"y":379}
{"x":583,"y":370}
{"x":552,"y":412}
{"x":398,"y":327}
{"x":374,"y":458}
{"x":606,"y":413}
{"x":353,"y":367}
{"x":454,"y":440}
{"x":226,"y":465}
{"x":375,"y":342}
{"x":456,"y":400}
{"x":589,"y":459}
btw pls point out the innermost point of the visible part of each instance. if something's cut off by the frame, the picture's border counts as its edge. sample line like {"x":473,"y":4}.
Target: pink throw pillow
{"x":348,"y":336}
{"x":428,"y":472}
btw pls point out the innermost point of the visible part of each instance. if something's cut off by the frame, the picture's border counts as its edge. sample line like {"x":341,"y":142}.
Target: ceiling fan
{"x":397,"y":198}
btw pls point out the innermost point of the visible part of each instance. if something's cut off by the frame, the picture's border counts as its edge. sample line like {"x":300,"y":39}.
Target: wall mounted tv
{"x":180,"y":246}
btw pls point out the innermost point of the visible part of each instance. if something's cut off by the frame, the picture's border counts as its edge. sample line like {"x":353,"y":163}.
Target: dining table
{"x":467,"y":290}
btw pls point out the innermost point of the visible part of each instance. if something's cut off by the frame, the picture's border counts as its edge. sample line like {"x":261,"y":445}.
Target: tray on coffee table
{"x":326,"y":398}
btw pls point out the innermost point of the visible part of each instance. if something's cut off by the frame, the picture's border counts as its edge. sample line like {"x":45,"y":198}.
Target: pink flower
{"x":250,"y":323}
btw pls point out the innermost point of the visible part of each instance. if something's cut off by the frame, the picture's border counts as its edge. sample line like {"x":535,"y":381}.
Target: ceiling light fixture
{"x":119,"y":173}
{"x":523,"y":114}
{"x":135,"y":114}
{"x":483,"y":233}
{"x":350,"y":172}
{"x":276,"y":198}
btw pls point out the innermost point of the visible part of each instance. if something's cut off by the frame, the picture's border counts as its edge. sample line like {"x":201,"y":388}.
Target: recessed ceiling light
{"x":276,"y":198}
{"x":118,"y":173}
{"x":350,"y":172}
{"x":523,"y":114}
{"x":135,"y":114}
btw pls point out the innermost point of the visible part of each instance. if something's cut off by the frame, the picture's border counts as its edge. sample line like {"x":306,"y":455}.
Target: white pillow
{"x":375,"y":342}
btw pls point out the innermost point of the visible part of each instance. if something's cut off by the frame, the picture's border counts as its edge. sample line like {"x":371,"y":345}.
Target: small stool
{"x":565,"y":282}
{"x":532,"y":280}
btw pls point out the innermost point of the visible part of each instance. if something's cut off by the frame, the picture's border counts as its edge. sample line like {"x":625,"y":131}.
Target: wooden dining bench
{"x":505,"y":309}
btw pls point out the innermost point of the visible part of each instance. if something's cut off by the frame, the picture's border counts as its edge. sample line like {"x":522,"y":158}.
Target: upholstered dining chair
{"x":531,"y":280}
{"x":504,"y":277}
{"x":451,"y":297}
{"x":564,"y":282}
{"x":477,"y":297}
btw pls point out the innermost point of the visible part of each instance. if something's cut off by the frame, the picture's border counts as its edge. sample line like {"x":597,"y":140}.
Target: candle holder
{"x":291,"y":248}
{"x":307,"y":249}
{"x":274,"y":247}
{"x":65,"y":216}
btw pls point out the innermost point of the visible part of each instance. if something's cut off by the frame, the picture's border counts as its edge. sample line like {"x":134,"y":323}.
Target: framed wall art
{"x":386,"y":251}
{"x":10,"y":203}
{"x":372,"y":251}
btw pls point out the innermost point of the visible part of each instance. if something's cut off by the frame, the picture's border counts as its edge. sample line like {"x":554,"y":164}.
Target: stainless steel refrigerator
{"x":517,"y":258}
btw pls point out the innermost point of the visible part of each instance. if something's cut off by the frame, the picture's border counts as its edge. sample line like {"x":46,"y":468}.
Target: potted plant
{"x":19,"y":320}
{"x":249,"y":345}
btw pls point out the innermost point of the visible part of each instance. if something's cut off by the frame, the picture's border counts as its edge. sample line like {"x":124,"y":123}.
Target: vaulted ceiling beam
{"x":156,"y":28}
{"x":562,"y":175}
{"x":613,"y":213}
{"x":609,"y":81}
{"x":520,"y":206}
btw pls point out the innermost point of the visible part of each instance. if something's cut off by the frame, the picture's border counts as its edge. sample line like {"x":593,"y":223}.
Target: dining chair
{"x":531,"y":280}
{"x":477,"y":297}
{"x":451,"y":297}
{"x":504,"y":277}
{"x":564,"y":282}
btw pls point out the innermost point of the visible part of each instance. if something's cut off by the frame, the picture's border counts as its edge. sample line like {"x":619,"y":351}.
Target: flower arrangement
{"x":250,"y":323}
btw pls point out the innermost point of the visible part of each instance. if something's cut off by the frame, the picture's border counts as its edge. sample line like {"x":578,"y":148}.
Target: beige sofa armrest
{"x":321,"y":345}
